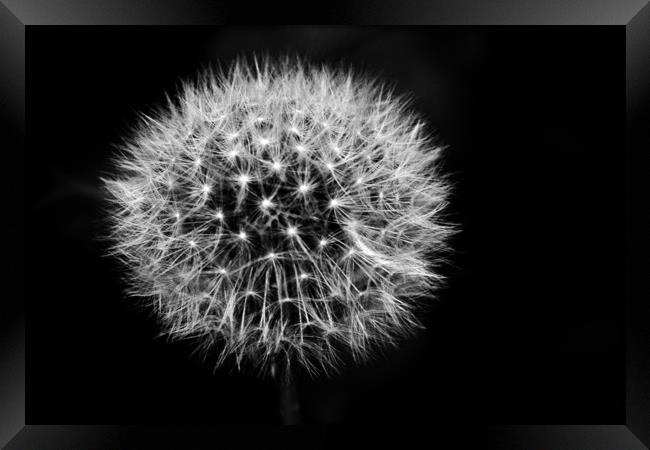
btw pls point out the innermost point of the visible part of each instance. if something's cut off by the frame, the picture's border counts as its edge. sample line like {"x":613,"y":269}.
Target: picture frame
{"x":16,"y":19}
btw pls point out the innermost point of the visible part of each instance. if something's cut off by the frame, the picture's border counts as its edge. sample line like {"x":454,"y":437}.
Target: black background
{"x":530,"y":326}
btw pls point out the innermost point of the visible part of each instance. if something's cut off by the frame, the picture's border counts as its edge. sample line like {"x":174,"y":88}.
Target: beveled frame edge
{"x":12,"y":317}
{"x":637,"y":374}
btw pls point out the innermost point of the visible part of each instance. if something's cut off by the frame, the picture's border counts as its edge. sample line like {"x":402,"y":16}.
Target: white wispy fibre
{"x":281,"y":209}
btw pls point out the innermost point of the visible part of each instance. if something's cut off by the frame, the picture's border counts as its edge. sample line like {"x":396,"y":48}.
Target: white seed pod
{"x":281,"y":209}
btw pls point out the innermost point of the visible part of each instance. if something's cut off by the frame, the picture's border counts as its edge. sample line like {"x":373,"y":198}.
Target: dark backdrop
{"x":530,"y":326}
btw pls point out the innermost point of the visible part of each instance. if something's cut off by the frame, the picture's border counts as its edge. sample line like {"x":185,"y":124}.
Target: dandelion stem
{"x":288,"y":402}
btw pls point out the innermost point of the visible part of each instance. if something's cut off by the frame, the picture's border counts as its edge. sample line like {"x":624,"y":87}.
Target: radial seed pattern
{"x":281,"y":210}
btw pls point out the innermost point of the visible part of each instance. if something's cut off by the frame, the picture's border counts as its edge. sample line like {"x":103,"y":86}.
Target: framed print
{"x":420,"y":216}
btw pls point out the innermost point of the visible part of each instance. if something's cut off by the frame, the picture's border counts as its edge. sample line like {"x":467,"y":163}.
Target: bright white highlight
{"x":335,"y":203}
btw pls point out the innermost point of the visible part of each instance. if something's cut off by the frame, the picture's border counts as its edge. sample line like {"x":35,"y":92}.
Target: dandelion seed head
{"x":311,"y":263}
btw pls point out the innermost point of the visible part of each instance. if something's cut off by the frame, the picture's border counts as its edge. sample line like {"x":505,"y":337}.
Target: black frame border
{"x":634,"y":15}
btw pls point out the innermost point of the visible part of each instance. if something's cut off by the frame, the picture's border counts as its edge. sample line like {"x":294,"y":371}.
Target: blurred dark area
{"x":530,"y":326}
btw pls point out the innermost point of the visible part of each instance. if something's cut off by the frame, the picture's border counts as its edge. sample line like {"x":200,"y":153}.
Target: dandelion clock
{"x":282,"y":215}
